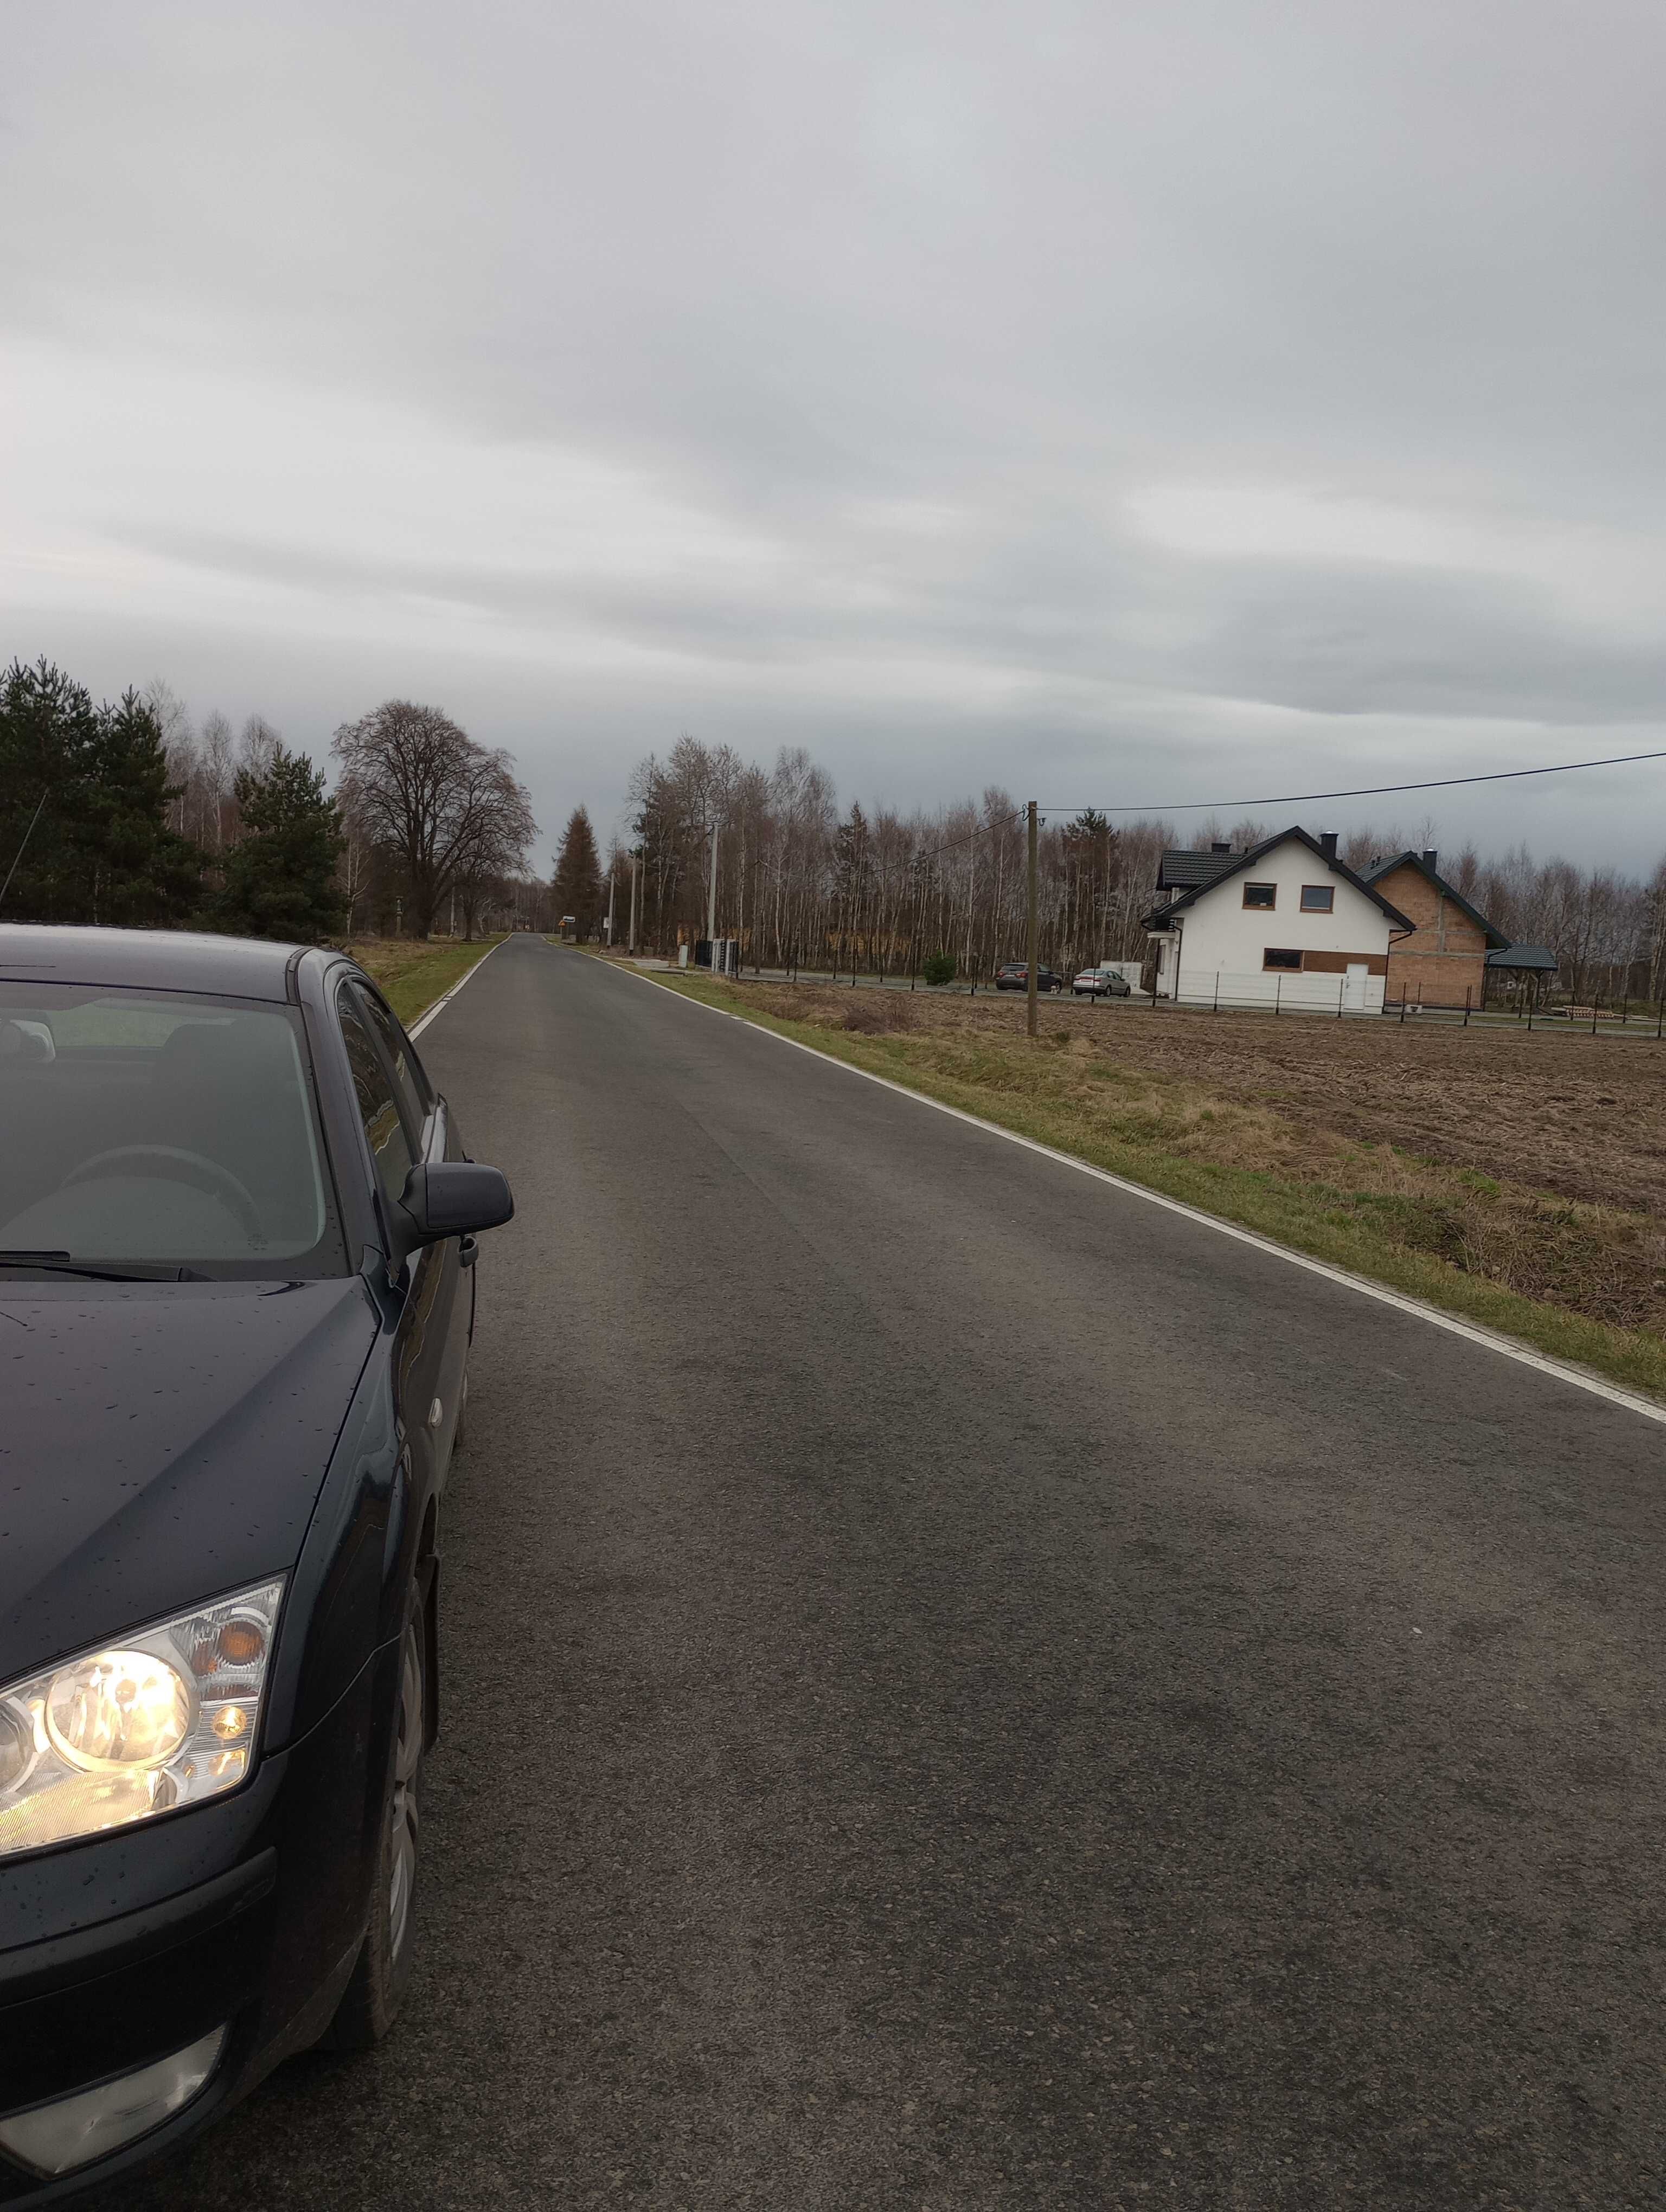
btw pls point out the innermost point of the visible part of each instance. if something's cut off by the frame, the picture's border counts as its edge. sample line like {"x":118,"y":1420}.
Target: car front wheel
{"x":371,"y":2003}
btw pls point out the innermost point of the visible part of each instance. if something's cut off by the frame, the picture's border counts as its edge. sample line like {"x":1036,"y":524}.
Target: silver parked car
{"x":1102,"y":982}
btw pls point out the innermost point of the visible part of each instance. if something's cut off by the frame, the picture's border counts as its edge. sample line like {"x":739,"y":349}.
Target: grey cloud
{"x":1362,"y":642}
{"x":787,"y":262}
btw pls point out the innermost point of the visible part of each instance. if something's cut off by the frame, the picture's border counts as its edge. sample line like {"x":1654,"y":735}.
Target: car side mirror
{"x":448,"y":1198}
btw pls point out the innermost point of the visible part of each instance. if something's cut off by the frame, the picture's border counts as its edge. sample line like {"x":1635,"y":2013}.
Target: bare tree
{"x":259,"y":746}
{"x":179,"y":744}
{"x":355,"y":873}
{"x":416,"y":784}
{"x":217,"y":763}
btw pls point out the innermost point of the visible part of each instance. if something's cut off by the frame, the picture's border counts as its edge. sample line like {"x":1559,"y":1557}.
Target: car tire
{"x":372,"y":2000}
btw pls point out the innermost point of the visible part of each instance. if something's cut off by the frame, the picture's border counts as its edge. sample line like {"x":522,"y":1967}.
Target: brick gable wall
{"x":1444,"y":956}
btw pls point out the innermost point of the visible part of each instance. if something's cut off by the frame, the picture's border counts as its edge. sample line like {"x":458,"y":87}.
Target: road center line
{"x":1489,"y":1339}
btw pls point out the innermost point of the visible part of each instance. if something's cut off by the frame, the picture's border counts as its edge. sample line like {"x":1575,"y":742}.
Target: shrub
{"x":939,"y":968}
{"x":878,"y":1013}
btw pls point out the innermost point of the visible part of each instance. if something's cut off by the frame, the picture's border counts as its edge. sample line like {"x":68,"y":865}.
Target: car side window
{"x":409,"y":1080}
{"x":390,"y":1147}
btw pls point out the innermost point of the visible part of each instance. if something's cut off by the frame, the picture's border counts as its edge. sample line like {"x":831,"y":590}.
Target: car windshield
{"x":159,"y":1131}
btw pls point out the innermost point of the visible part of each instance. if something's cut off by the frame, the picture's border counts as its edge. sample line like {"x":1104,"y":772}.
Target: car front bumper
{"x":244,"y":1915}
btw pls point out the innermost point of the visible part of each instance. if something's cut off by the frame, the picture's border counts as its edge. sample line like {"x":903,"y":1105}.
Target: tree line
{"x":128,"y":814}
{"x":801,"y":883}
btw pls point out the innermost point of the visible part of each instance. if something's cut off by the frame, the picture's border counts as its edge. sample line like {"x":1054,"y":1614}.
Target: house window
{"x":1260,"y":895}
{"x":1318,"y":899}
{"x":1280,"y":956}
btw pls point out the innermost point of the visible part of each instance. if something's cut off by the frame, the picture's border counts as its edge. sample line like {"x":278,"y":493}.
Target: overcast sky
{"x":1124,"y":402}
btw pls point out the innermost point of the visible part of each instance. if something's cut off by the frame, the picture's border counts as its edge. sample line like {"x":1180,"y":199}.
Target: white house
{"x":1285,"y":924}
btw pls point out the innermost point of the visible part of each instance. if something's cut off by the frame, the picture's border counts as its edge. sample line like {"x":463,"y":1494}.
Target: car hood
{"x":159,"y":1443}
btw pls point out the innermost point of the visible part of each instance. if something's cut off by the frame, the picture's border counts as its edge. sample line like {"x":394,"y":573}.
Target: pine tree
{"x":84,"y":807}
{"x":577,"y":888}
{"x":281,"y":874}
{"x":148,"y":874}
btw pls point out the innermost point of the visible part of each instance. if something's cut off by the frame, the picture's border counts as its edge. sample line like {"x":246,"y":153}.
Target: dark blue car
{"x":236,"y":1297}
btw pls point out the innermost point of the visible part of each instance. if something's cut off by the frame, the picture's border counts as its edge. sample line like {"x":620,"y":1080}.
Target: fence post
{"x":1217,"y":990}
{"x":1341,"y":985}
{"x":1402,"y":1005}
{"x":1593,"y":1014}
{"x":1467,"y":989}
{"x":1278,"y":994}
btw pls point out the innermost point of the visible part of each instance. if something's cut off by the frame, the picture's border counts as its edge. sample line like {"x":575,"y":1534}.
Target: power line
{"x":1363,"y":791}
{"x":954,"y":844}
{"x":1289,"y":799}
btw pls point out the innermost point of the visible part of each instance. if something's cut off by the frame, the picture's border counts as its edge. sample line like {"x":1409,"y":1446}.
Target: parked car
{"x":237,"y":1245}
{"x":1015,"y":976}
{"x":1101,"y":983}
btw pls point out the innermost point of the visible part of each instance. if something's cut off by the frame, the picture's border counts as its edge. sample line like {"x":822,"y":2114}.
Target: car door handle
{"x":468,"y":1251}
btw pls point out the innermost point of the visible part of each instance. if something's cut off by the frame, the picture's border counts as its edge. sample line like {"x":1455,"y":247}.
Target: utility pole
{"x":612,"y":884}
{"x":711,"y":896}
{"x":632,"y":947}
{"x":1029,"y":949}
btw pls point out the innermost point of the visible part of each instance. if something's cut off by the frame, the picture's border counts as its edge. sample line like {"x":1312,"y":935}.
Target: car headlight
{"x":159,"y":1717}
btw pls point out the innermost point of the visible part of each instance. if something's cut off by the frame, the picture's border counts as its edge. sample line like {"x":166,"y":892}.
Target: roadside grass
{"x":412,"y":974}
{"x":1582,"y":1282}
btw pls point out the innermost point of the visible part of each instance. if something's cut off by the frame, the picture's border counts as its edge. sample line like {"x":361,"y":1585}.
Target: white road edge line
{"x":1490,"y":1339}
{"x":415,"y":1029}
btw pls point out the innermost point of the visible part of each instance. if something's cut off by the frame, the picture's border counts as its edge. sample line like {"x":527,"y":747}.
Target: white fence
{"x":1298,"y":989}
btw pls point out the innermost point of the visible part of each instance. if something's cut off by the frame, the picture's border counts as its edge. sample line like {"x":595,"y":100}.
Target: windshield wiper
{"x":61,"y":1263}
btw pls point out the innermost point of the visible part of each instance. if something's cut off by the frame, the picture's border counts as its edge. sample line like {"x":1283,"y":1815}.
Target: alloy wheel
{"x":403,"y":1816}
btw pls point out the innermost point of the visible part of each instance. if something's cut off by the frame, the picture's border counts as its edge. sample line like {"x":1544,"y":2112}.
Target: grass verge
{"x":412,"y":974}
{"x":1458,"y":1239}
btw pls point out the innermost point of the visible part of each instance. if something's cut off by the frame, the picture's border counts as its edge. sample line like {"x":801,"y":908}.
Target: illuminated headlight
{"x":160,"y":1717}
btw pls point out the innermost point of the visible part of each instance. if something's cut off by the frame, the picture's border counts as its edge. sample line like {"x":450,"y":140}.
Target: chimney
{"x":1220,"y":845}
{"x":1328,"y":843}
{"x":1429,"y":859}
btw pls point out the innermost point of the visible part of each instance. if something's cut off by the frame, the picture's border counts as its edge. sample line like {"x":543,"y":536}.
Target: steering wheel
{"x":171,"y":1164}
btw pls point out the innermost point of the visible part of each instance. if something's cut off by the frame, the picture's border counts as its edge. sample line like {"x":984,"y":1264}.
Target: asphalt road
{"x":874,"y":1776}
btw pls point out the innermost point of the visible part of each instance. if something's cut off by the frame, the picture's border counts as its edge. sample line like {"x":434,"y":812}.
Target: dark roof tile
{"x":1180,"y":871}
{"x":1523,"y":955}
